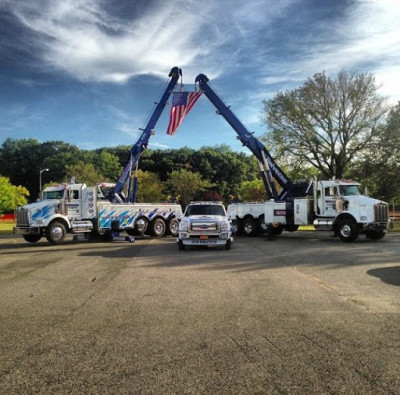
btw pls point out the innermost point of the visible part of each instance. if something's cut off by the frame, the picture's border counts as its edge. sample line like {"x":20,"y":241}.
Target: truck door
{"x":74,"y":204}
{"x":327,"y":200}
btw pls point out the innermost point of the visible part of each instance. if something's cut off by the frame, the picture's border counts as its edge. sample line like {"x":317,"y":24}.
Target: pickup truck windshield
{"x":205,"y":210}
{"x":53,"y":194}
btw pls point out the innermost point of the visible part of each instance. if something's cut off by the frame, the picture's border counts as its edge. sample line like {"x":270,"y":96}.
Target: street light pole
{"x":40,"y":180}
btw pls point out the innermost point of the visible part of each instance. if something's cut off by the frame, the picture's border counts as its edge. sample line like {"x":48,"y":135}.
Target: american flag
{"x":182,"y":103}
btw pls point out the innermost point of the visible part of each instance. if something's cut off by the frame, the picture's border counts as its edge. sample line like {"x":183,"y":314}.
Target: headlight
{"x":224,"y":225}
{"x":183,"y":226}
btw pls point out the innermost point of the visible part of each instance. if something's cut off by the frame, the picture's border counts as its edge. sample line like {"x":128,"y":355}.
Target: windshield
{"x":349,"y":190}
{"x":53,"y":194}
{"x":205,"y":210}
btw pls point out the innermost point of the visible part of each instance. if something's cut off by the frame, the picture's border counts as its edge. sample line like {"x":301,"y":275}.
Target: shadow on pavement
{"x":389,"y":275}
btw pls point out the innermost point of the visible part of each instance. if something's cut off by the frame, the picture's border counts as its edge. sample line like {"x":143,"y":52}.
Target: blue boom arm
{"x":143,"y":140}
{"x":268,"y":168}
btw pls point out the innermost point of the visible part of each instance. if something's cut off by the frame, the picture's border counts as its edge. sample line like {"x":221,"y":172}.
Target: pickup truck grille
{"x":22,"y":217}
{"x":381,"y":212}
{"x":204,"y":226}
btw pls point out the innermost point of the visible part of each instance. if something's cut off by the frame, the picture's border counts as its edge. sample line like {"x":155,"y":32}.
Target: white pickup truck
{"x":205,"y":224}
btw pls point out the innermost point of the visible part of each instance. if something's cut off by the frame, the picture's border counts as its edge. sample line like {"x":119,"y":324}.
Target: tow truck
{"x":102,"y":210}
{"x":332,"y":205}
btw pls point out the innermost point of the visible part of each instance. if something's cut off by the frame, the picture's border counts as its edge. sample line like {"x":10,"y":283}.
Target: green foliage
{"x":326,"y":123}
{"x":150,"y":188}
{"x":187,"y":185}
{"x":379,"y":167}
{"x":11,"y":196}
{"x":107,"y":165}
{"x":252,"y":191}
{"x":83,"y":173}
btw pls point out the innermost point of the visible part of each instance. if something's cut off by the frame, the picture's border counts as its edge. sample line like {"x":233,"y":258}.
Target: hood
{"x":362,"y":200}
{"x":40,"y":204}
{"x":207,"y":217}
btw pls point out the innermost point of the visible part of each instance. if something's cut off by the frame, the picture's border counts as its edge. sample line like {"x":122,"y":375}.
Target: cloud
{"x":80,"y":38}
{"x":365,"y":38}
{"x":84,"y":39}
{"x":158,"y":145}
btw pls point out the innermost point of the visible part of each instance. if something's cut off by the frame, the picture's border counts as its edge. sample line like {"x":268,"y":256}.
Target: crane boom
{"x":142,"y":142}
{"x":268,"y":167}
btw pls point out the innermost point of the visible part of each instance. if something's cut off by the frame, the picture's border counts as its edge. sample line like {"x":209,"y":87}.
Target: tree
{"x":22,"y":160}
{"x":108,"y":165}
{"x":11,"y":196}
{"x":83,"y":173}
{"x":187,"y":185}
{"x":250,"y":191}
{"x":326,"y":123}
{"x":150,"y":188}
{"x":212,"y":196}
{"x":379,"y":167}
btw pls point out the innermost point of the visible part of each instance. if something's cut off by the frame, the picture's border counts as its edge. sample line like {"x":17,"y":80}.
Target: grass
{"x":6,"y":227}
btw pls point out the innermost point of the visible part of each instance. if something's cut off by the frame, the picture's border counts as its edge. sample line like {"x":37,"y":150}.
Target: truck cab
{"x":335,"y":205}
{"x":205,"y":224}
{"x":64,"y":208}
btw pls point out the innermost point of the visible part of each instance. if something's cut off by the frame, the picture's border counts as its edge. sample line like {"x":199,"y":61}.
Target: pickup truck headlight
{"x":183,"y":226}
{"x":224,"y":225}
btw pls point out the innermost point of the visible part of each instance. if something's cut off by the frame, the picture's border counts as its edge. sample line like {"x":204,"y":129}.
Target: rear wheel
{"x":32,"y":238}
{"x":158,"y":227}
{"x":250,"y":227}
{"x":55,"y":233}
{"x":347,"y":230}
{"x":173,"y":227}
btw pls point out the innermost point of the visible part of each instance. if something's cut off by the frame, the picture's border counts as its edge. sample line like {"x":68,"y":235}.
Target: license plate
{"x":203,"y":237}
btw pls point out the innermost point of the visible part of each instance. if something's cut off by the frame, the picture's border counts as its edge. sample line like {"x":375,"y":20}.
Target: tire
{"x":55,"y":233}
{"x":141,"y":226}
{"x":275,"y":230}
{"x":173,"y":227}
{"x":158,"y":228}
{"x":238,"y":227}
{"x":181,"y":246}
{"x":291,"y":228}
{"x":347,"y":230}
{"x":32,"y":238}
{"x":375,"y":234}
{"x":250,"y":227}
{"x":228,"y":244}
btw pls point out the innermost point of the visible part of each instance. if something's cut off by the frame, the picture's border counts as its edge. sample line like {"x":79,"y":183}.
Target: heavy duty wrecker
{"x":102,"y":210}
{"x":333,"y":205}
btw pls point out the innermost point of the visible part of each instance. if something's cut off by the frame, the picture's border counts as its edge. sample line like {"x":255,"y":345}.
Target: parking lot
{"x":299,"y":313}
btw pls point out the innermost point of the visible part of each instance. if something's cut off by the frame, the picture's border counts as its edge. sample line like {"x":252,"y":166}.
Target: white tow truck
{"x":205,"y":224}
{"x":107,"y":209}
{"x":332,"y":205}
{"x":336,"y":205}
{"x":79,"y":209}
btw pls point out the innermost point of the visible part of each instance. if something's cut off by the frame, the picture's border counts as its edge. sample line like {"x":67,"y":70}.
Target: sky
{"x":87,"y":72}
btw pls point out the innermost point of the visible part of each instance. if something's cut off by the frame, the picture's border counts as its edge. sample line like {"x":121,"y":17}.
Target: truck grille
{"x":204,"y":226}
{"x":22,"y":217}
{"x":381,"y":212}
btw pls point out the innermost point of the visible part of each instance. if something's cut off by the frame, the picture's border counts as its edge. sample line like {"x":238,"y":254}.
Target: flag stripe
{"x":182,"y":103}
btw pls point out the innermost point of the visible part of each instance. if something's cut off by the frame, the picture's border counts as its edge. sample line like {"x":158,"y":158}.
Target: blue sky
{"x":87,"y":72}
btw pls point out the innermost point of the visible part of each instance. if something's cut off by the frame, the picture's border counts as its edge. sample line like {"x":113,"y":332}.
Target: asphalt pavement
{"x":299,"y":313}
